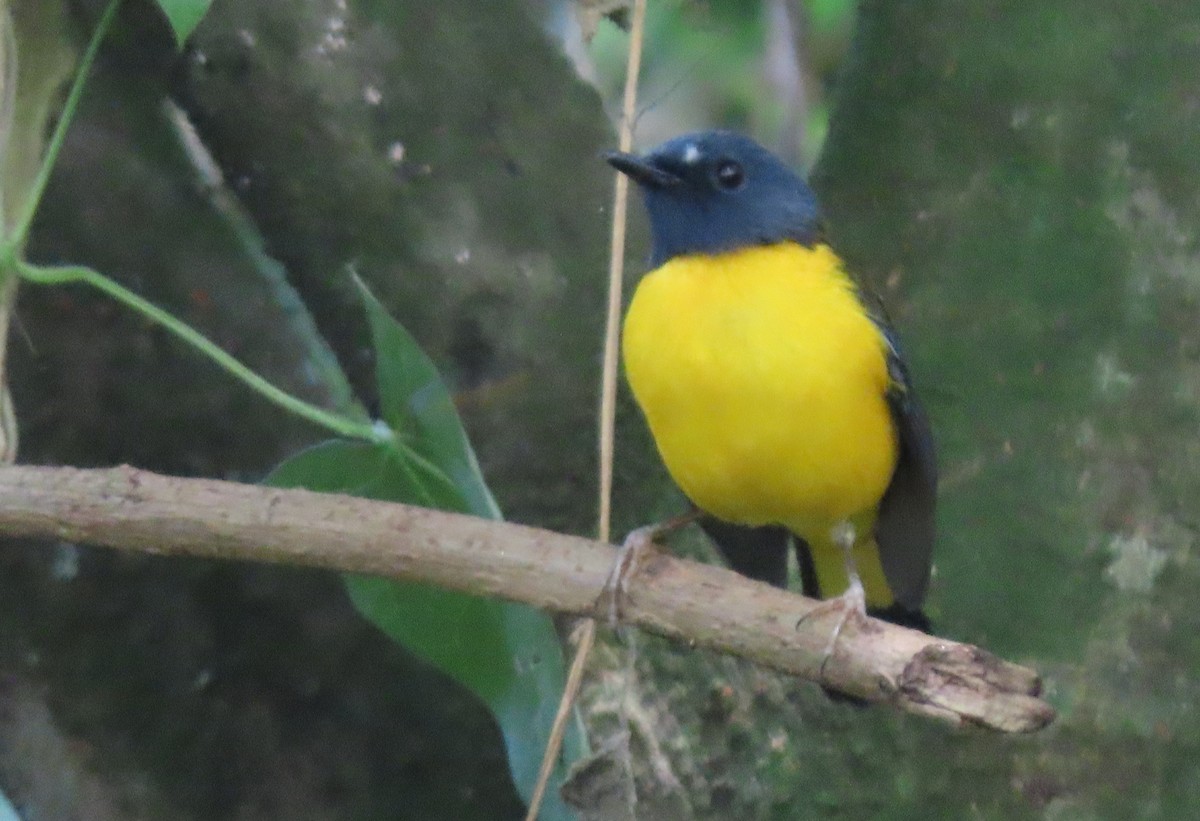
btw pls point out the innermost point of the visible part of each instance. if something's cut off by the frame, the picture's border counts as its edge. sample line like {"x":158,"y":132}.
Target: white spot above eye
{"x":691,"y":154}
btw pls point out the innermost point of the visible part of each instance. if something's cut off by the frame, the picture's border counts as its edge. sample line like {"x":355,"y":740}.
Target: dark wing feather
{"x":904,"y":530}
{"x":757,"y":552}
{"x":809,"y":584}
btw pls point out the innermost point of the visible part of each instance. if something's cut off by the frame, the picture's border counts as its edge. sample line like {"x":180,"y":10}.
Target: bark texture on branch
{"x":698,"y":604}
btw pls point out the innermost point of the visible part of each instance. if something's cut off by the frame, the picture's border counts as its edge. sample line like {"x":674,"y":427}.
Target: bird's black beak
{"x":640,"y":170}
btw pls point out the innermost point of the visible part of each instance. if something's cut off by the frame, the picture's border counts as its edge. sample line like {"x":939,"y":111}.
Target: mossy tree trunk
{"x":1021,"y":181}
{"x":1018,"y":179}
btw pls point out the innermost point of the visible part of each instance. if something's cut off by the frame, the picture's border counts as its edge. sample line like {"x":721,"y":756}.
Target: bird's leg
{"x":637,"y":545}
{"x":852,"y":602}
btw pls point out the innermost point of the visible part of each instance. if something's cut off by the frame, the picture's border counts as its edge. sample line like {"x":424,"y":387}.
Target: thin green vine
{"x":10,"y":260}
{"x":21,"y":228}
{"x":341,"y":425}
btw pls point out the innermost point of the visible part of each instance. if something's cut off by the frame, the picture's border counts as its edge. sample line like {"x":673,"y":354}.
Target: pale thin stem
{"x":608,"y":399}
{"x":616,"y":272}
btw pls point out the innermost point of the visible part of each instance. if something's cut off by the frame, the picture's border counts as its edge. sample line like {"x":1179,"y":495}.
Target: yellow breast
{"x":764,"y":382}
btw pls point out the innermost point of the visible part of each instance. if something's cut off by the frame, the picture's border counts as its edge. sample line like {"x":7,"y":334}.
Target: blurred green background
{"x":1016,"y":179}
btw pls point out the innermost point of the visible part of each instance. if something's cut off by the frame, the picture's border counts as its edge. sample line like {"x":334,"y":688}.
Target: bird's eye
{"x":730,"y":175}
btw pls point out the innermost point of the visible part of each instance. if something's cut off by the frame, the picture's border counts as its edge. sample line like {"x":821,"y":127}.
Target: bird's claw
{"x":630,"y":555}
{"x":849,"y":606}
{"x":633,"y":551}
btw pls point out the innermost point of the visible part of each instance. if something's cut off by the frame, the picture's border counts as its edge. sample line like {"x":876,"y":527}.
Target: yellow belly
{"x":763,"y":382}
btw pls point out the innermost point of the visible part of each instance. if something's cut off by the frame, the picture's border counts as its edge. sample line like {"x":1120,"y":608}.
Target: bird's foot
{"x":852,"y":603}
{"x":630,"y":555}
{"x":633,"y":552}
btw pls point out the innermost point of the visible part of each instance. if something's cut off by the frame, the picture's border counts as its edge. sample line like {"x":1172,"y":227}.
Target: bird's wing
{"x":904,"y":529}
{"x":757,"y":552}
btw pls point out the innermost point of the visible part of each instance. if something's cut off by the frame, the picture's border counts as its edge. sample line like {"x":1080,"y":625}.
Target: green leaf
{"x":508,"y":654}
{"x":463,"y":635}
{"x":7,"y":812}
{"x":415,"y":403}
{"x":184,"y":16}
{"x":505,"y":653}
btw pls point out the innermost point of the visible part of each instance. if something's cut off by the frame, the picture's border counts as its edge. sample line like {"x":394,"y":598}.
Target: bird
{"x":775,"y":390}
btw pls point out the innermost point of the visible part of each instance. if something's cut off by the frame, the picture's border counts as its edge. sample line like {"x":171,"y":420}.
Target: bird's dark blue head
{"x":716,"y":191}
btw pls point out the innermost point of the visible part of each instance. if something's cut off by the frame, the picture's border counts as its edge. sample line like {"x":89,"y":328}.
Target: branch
{"x":694,"y":603}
